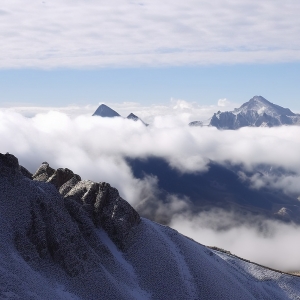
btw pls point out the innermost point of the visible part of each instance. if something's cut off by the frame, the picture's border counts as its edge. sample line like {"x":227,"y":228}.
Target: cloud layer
{"x":96,"y":149}
{"x":66,"y":33}
{"x":265,"y":242}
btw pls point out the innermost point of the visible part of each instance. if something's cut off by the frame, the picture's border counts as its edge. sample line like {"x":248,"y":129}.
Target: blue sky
{"x":204,"y":85}
{"x":65,"y":52}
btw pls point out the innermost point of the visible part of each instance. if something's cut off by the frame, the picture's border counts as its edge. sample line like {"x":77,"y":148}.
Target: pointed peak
{"x":132,"y":116}
{"x":259,"y":99}
{"x":105,"y":111}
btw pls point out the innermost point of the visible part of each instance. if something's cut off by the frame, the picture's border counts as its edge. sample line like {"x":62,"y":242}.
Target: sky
{"x":63,"y":53}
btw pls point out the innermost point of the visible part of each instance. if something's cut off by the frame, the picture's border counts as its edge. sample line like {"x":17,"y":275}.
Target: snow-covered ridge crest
{"x":262,"y":106}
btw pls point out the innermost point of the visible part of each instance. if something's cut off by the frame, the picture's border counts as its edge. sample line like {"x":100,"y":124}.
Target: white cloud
{"x":269,"y":243}
{"x":47,"y":34}
{"x":223,"y":102}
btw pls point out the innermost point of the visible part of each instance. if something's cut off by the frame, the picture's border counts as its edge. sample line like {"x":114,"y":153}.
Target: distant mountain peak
{"x":132,"y":116}
{"x":135,"y":118}
{"x":257,"y":112}
{"x":262,"y":105}
{"x":105,"y":111}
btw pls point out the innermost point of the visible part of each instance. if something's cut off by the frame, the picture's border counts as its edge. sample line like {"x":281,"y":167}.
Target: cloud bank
{"x":265,"y":242}
{"x":76,"y":34}
{"x":96,"y":148}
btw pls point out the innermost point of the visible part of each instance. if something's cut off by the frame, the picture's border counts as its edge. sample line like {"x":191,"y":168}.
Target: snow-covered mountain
{"x":105,"y":111}
{"x":67,"y":238}
{"x":257,"y":112}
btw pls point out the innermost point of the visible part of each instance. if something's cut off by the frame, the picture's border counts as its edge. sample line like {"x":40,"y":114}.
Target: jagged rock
{"x":106,"y":208}
{"x":62,"y":176}
{"x":43,"y":173}
{"x":67,"y":186}
{"x":100,"y":201}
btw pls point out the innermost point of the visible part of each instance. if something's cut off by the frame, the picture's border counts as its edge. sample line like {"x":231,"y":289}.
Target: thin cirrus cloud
{"x":50,"y":34}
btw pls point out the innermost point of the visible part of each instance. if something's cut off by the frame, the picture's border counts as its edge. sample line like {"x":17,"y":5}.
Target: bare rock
{"x":99,"y":201}
{"x":43,"y":173}
{"x":106,"y":208}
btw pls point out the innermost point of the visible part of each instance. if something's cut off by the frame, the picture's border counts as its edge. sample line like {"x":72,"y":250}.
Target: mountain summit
{"x":105,"y":111}
{"x":257,"y":112}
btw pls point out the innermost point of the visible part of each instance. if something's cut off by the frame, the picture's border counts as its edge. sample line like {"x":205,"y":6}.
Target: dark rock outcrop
{"x":9,"y":165}
{"x":101,"y":202}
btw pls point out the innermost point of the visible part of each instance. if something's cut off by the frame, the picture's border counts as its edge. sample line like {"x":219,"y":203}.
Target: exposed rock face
{"x":101,"y":202}
{"x":257,"y":112}
{"x":105,"y":111}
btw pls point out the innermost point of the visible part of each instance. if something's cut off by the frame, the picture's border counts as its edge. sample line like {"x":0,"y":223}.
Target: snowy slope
{"x":52,"y":247}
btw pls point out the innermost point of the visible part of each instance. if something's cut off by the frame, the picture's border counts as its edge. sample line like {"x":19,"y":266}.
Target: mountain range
{"x":257,"y":112}
{"x":67,"y":238}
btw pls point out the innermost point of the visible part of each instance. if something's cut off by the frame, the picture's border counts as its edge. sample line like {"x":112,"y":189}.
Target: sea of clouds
{"x":96,"y":149}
